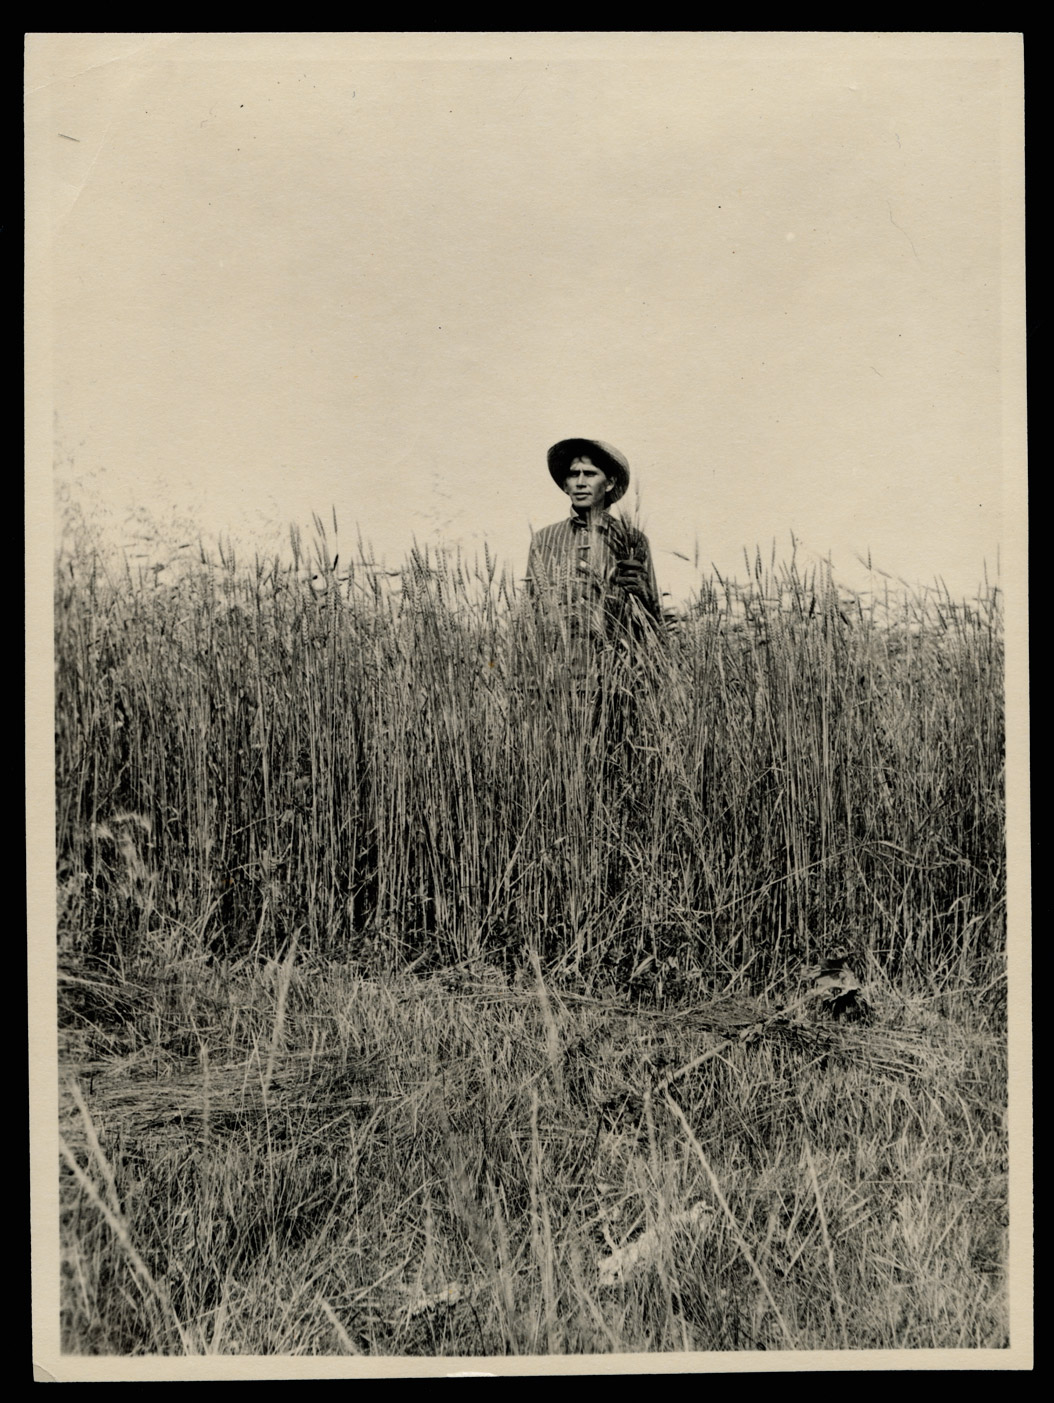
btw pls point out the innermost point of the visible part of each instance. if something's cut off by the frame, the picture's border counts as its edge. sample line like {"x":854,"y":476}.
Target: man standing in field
{"x":591,"y":569}
{"x":596,"y":601}
{"x":585,"y":659}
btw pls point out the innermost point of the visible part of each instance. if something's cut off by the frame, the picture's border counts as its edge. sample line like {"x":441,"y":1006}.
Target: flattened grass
{"x":449,"y":1166}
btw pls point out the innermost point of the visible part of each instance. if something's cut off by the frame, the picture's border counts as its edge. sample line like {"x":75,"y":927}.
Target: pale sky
{"x":382,"y":274}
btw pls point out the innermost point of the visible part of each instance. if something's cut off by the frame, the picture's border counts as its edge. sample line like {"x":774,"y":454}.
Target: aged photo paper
{"x":277,"y":276}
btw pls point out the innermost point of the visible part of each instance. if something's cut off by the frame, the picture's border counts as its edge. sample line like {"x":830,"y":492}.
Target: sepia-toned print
{"x":529,"y":877}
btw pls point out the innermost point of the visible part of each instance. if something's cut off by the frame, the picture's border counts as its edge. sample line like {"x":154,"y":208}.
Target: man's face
{"x":586,"y":484}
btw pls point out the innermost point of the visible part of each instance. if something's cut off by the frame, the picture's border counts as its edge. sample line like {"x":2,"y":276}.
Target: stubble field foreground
{"x":406,"y":1008}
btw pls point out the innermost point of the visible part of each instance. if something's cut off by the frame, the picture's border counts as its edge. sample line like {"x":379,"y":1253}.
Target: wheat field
{"x":414,"y":1003}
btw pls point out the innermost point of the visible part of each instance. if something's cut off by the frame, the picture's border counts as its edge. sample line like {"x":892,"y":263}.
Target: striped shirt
{"x":570,"y":568}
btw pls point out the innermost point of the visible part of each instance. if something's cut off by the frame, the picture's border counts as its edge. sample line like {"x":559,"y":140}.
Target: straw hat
{"x":603,"y":456}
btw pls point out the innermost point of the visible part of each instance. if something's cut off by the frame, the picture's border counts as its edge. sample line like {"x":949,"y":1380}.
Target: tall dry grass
{"x":397,"y":769}
{"x":413,"y":1003}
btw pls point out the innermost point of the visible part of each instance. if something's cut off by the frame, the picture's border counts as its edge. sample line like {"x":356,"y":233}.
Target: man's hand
{"x":632,"y":576}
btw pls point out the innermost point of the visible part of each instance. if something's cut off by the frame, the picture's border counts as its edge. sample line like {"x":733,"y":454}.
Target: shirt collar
{"x":581,"y":523}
